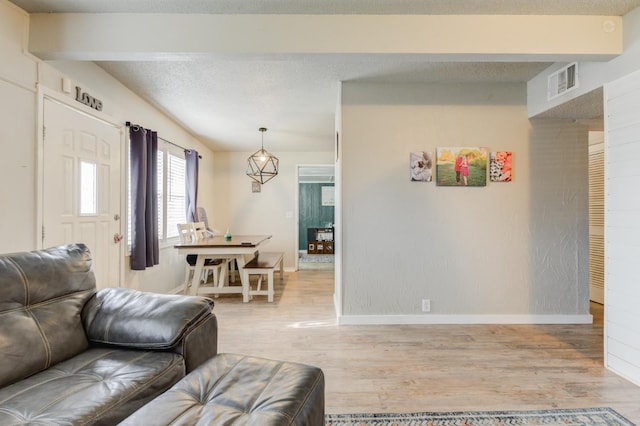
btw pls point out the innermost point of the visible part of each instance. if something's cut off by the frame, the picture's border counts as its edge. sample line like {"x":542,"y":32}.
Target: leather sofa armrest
{"x":141,"y":320}
{"x":200,"y":343}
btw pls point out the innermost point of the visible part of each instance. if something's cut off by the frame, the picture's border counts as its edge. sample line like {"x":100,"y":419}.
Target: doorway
{"x":316,"y":203}
{"x":81,"y":186}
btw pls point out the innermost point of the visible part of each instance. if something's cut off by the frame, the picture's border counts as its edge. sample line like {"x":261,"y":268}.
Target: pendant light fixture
{"x":262,"y":166}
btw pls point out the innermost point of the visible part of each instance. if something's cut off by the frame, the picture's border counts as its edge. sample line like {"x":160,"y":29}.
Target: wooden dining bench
{"x":262,"y":264}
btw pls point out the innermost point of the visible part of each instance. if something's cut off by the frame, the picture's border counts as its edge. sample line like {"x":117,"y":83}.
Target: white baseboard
{"x":463,"y":319}
{"x":449,"y":319}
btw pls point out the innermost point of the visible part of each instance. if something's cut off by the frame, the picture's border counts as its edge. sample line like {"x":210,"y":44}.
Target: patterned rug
{"x":567,"y":417}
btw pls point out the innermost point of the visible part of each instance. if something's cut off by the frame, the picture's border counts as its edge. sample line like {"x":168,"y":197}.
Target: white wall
{"x":243,"y":212}
{"x":18,"y":68}
{"x":17,"y":168}
{"x":17,"y":134}
{"x":509,"y":252}
{"x":622,"y":226}
{"x":20,"y":74}
{"x":337,"y":235}
{"x":591,"y":75}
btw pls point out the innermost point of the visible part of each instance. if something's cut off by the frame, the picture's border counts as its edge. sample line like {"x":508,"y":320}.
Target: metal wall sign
{"x":87,"y":99}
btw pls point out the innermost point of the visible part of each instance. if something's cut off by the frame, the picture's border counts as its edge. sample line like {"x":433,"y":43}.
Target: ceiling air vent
{"x":562,"y":81}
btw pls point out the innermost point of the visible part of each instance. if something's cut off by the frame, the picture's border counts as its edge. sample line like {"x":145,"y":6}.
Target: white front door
{"x":81,"y":187}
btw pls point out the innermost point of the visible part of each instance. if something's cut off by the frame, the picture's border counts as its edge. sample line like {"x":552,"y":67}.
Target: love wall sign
{"x":88,"y":100}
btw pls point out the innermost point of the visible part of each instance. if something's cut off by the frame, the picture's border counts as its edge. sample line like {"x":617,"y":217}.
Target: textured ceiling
{"x":400,"y":7}
{"x":224,"y":100}
{"x":585,"y":107}
{"x":296,"y":94}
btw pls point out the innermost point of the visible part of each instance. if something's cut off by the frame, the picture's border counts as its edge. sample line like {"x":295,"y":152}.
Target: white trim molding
{"x":463,"y":319}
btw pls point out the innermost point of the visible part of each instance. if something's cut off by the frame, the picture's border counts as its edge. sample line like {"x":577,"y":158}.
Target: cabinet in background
{"x":320,"y":240}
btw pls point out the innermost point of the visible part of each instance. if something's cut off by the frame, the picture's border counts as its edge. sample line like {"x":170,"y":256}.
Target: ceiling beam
{"x":117,"y":36}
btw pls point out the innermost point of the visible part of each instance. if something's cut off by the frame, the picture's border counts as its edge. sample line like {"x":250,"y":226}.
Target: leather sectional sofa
{"x":74,"y":355}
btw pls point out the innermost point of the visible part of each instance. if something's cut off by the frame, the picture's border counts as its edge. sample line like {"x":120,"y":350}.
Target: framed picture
{"x":255,"y":186}
{"x":461,"y":166}
{"x":500,"y":166}
{"x":420,"y":166}
{"x":328,"y":196}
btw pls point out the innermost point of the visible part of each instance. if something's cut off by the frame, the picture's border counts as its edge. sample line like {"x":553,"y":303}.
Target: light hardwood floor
{"x":407,"y":368}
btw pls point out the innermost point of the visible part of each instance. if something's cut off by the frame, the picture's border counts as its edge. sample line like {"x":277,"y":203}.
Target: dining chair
{"x":202,"y":217}
{"x":189,"y":233}
{"x":202,"y":231}
{"x":232,"y":268}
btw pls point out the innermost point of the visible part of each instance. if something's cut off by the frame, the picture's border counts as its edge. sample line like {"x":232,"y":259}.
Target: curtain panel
{"x":191,"y":183}
{"x":145,"y":251}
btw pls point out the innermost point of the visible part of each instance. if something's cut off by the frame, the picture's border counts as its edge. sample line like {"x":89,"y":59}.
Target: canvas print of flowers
{"x":461,"y":166}
{"x":500,"y":166}
{"x":420,"y":164}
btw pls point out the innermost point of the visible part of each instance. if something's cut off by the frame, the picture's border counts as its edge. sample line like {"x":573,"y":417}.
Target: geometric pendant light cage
{"x":262,"y":166}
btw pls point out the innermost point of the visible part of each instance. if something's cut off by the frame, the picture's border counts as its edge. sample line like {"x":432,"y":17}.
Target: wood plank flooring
{"x":407,"y":368}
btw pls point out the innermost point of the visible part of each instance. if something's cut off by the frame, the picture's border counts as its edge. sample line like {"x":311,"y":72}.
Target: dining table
{"x":219,"y":247}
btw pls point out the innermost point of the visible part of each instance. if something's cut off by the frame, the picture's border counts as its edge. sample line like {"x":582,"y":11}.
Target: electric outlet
{"x":426,"y":305}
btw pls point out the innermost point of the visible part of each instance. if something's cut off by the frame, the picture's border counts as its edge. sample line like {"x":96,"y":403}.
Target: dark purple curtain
{"x":191,"y":182}
{"x":143,"y":156}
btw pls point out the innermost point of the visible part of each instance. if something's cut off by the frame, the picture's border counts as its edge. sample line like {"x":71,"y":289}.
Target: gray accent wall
{"x":312,"y":214}
{"x":508,"y":252}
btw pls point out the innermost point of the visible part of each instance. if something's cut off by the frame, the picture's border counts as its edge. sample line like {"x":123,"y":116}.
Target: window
{"x":171,"y":192}
{"x":161,"y":209}
{"x":176,"y":193}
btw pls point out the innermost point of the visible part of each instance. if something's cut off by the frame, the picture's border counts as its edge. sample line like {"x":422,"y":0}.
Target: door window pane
{"x":88,"y":202}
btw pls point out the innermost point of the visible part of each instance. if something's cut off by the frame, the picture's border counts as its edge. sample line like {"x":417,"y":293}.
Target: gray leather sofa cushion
{"x":41,"y":297}
{"x":134,"y":319}
{"x":232,"y":389}
{"x":100,"y":387}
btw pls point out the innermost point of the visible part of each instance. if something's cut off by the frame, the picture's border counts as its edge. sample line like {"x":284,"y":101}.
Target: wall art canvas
{"x":461,"y":166}
{"x":500,"y":166}
{"x":421,"y":166}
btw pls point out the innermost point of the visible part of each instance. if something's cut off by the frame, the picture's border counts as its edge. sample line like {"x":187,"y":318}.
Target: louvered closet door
{"x":596,"y":216}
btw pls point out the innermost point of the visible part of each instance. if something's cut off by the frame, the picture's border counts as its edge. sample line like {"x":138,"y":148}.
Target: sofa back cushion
{"x":42,"y":294}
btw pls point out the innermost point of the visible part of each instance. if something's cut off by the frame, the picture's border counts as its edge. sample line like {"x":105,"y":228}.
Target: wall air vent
{"x":562,"y":81}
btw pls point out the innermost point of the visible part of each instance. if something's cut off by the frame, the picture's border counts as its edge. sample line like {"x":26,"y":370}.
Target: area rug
{"x":566,"y":417}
